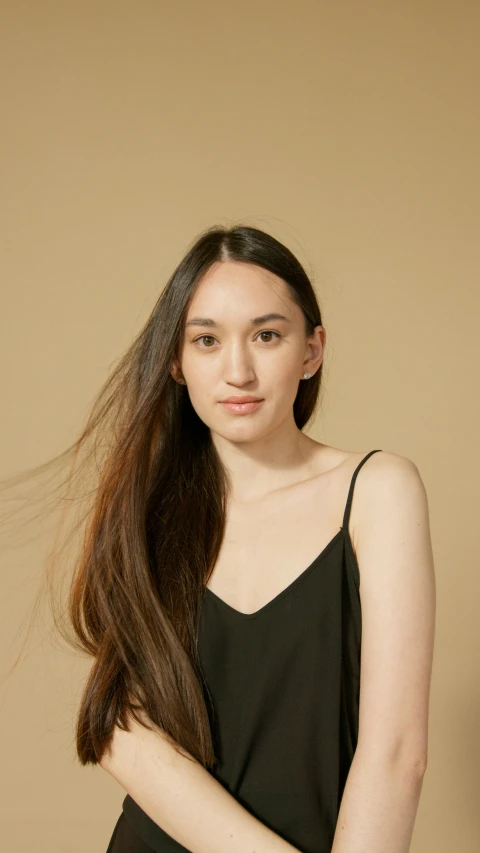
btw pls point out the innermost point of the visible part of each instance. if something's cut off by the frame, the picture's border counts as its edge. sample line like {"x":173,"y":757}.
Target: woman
{"x":219,"y":586}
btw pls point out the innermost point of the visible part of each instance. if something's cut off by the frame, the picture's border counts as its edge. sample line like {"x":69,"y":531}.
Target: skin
{"x":287,"y":496}
{"x":235,"y":359}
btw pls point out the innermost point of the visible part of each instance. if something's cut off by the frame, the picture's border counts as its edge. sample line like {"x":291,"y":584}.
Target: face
{"x":225,"y":355}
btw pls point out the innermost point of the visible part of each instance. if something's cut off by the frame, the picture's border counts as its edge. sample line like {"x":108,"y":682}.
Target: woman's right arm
{"x":183,"y":798}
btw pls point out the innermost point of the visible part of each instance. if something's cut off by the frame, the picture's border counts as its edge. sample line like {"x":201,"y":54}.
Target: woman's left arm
{"x":392,"y":543}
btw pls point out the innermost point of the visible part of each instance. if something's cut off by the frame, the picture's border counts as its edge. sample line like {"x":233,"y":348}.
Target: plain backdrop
{"x":350,"y":131}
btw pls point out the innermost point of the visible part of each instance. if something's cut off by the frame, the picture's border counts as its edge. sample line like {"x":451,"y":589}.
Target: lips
{"x":241,"y":408}
{"x":246,"y":399}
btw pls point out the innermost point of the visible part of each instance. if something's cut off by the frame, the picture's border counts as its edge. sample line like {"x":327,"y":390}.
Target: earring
{"x":306,"y":375}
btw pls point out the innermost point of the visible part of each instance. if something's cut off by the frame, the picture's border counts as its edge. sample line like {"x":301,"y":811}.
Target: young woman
{"x":242,"y":585}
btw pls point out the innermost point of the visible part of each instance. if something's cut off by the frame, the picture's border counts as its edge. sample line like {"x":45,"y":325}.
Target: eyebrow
{"x":254,"y":321}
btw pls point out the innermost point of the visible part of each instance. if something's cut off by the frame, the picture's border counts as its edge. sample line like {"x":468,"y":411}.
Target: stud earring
{"x":307,"y":375}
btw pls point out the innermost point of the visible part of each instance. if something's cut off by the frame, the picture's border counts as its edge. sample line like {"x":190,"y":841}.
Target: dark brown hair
{"x":155,"y":515}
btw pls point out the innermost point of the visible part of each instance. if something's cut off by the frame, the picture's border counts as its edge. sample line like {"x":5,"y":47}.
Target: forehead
{"x":241,"y":288}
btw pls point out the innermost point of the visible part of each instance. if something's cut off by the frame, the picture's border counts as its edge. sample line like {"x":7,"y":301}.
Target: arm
{"x":183,"y":798}
{"x":393,"y":548}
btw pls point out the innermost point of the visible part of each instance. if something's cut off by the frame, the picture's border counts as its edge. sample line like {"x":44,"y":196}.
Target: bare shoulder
{"x":381,"y":464}
{"x":389,"y":480}
{"x":381,"y":470}
{"x":390,"y":515}
{"x":389,"y":496}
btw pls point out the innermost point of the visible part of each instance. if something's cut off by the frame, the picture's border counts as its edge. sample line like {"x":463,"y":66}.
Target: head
{"x":247,"y":334}
{"x":237,"y":317}
{"x":228,"y":278}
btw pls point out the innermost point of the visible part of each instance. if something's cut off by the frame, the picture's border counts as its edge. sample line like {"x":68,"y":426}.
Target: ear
{"x":176,"y":373}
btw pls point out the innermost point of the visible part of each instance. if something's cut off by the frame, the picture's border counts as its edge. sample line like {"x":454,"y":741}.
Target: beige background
{"x":349,"y":130}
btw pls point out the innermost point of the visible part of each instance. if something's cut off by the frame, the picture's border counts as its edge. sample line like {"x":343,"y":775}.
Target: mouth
{"x":242,"y":405}
{"x":246,"y":398}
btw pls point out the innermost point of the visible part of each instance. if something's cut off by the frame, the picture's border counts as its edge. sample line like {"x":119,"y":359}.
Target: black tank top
{"x":283,"y":698}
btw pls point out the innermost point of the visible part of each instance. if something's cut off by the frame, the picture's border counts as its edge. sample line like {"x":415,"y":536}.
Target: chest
{"x":267,"y":548}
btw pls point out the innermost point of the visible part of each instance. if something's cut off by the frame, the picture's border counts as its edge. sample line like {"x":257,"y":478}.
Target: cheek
{"x":198,"y":373}
{"x":202,"y":383}
{"x":201,"y":390}
{"x":287,"y":369}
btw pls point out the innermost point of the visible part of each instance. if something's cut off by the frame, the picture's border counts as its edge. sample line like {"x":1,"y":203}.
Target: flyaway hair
{"x":152,"y":519}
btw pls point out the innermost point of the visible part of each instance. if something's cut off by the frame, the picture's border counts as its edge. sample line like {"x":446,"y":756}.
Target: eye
{"x":201,"y":338}
{"x":269,"y":332}
{"x":212,"y":338}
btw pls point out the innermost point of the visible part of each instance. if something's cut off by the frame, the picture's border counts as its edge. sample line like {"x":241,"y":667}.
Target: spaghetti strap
{"x":346,"y":515}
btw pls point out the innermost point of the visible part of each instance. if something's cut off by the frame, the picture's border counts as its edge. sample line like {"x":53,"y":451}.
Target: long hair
{"x":156,"y":514}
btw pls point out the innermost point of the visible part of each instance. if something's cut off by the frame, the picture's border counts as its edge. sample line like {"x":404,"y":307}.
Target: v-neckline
{"x":285,"y":590}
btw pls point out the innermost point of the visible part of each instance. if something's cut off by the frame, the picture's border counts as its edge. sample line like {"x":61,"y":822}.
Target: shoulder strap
{"x":346,"y":515}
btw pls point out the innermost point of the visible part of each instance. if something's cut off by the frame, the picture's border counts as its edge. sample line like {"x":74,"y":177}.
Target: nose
{"x":237,"y":366}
